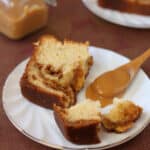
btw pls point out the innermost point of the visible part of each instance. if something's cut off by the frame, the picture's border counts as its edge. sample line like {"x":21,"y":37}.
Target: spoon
{"x":114,"y":83}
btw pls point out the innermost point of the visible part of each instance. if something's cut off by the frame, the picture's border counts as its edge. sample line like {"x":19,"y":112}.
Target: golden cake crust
{"x":41,"y":97}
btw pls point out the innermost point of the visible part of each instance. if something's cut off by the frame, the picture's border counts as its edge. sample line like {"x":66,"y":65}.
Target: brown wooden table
{"x":70,"y":19}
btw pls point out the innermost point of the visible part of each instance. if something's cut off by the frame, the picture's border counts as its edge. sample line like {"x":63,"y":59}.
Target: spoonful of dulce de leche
{"x":114,"y":83}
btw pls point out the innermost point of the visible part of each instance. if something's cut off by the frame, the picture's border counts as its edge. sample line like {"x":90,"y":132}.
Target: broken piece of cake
{"x":80,"y":124}
{"x":122,"y":116}
{"x":55,"y":72}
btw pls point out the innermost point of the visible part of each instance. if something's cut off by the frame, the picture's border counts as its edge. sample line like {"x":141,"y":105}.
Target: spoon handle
{"x":137,"y":62}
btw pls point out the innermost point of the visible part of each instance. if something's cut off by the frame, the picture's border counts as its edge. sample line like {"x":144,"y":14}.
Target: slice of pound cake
{"x":55,"y":72}
{"x":80,"y":124}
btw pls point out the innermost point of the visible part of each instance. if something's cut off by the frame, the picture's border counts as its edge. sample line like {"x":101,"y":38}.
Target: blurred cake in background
{"x":130,"y":6}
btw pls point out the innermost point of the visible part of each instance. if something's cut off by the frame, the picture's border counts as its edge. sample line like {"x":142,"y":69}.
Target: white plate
{"x":38,"y":123}
{"x":124,"y":19}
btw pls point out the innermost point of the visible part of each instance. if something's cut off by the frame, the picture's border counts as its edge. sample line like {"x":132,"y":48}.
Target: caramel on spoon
{"x":114,"y":83}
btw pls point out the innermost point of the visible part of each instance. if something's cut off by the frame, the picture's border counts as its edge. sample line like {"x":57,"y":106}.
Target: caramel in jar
{"x":21,"y":17}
